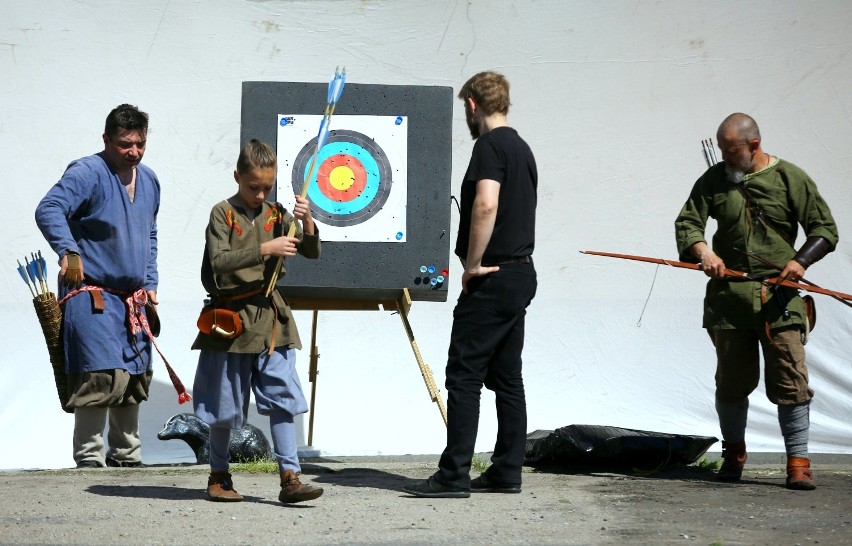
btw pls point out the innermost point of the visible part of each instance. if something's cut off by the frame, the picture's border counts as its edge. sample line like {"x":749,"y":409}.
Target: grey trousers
{"x":122,"y":437}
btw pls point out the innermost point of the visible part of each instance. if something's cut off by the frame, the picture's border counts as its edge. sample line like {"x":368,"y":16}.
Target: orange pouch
{"x":219,"y":322}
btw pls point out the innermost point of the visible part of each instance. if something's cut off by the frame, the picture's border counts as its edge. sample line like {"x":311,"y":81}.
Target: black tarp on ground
{"x":604,"y":446}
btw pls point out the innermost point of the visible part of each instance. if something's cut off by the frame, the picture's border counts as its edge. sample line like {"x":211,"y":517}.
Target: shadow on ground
{"x":357,"y":477}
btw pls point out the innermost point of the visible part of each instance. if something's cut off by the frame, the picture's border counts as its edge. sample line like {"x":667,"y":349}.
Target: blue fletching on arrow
{"x":42,"y":264}
{"x":22,"y":273}
{"x":322,"y":136}
{"x":36,"y":267}
{"x":31,"y":270}
{"x":339,"y":82}
{"x":331,"y":87}
{"x":342,"y":83}
{"x":24,"y":276}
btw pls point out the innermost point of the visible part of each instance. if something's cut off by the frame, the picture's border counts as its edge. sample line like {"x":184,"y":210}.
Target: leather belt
{"x":244,"y":295}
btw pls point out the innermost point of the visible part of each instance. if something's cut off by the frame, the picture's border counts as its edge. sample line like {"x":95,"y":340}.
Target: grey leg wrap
{"x":795,"y":422}
{"x":89,"y":423}
{"x":220,"y":439}
{"x":123,"y":437}
{"x":732,"y":419}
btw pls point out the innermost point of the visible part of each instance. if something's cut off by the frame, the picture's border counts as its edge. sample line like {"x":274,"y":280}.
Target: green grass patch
{"x":257,"y":466}
{"x":479,"y":465}
{"x":704,"y":464}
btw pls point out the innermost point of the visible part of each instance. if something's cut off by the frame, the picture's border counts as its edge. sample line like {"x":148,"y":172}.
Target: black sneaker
{"x":483,"y":485}
{"x":90,"y":463}
{"x":434,"y":489}
{"x":123,"y":464}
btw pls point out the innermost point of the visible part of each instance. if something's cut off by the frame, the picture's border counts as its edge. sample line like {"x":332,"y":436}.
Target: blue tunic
{"x":89,"y":211}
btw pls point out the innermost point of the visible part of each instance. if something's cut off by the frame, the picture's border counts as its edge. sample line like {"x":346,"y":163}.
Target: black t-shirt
{"x":502,"y":155}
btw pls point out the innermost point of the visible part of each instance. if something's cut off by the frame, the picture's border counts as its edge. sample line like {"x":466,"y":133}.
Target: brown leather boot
{"x":799,"y":475}
{"x":292,"y":490}
{"x":220,"y":488}
{"x":733,"y":460}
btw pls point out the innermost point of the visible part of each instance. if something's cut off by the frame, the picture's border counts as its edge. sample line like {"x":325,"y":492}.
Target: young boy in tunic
{"x":244,"y":239}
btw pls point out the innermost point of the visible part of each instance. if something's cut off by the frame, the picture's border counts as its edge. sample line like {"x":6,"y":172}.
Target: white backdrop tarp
{"x":614,"y":98}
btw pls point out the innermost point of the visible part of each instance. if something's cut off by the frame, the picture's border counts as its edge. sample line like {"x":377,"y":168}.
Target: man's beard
{"x":474,"y":127}
{"x":735,"y":174}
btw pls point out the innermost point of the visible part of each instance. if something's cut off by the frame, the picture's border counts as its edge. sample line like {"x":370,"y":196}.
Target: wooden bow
{"x":728,"y":273}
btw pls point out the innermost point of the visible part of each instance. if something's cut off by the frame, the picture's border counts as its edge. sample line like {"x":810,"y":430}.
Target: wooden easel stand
{"x":401,"y":305}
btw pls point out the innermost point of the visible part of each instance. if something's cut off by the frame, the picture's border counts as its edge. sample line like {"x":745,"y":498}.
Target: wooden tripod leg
{"x":403,"y":305}
{"x":312,"y":377}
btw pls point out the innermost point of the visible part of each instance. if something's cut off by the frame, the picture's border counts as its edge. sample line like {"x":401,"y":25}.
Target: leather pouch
{"x":220,"y":322}
{"x":810,"y":311}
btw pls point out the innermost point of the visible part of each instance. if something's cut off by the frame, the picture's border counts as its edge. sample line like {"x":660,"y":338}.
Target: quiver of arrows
{"x":50,"y":317}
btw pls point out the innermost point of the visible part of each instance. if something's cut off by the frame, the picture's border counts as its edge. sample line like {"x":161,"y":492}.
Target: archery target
{"x":352,"y":178}
{"x":357,"y":179}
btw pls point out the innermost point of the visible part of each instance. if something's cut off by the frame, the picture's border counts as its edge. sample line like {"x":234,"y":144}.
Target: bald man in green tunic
{"x":759,"y":202}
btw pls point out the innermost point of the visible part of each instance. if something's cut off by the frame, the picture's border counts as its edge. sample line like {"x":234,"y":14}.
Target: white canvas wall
{"x":614,"y":98}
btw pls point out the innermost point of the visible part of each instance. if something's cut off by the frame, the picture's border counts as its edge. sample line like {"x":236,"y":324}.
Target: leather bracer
{"x":814,"y":249}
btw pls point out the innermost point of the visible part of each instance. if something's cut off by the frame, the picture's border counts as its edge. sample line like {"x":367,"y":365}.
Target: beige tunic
{"x":232,"y":264}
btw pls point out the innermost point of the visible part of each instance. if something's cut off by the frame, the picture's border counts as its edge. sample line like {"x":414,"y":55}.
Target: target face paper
{"x":358,"y":180}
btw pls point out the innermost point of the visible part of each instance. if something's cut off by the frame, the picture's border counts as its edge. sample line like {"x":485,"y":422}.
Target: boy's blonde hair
{"x":256,"y":155}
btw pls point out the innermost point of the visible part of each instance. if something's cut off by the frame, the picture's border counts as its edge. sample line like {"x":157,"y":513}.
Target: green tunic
{"x":789,"y":198}
{"x":232,"y":264}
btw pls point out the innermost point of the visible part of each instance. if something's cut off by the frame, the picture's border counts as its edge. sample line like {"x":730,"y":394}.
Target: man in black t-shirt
{"x":495,"y":243}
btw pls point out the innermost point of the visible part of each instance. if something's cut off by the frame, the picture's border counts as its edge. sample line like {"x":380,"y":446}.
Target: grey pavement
{"x":364,"y":504}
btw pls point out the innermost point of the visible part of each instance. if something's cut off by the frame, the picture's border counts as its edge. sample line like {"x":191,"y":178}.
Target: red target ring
{"x":342,"y":178}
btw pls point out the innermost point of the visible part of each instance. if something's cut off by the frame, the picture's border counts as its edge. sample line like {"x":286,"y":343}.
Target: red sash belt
{"x":134,"y":302}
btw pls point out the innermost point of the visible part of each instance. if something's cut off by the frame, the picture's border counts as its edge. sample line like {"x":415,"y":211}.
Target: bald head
{"x":740,"y":127}
{"x":739,"y":140}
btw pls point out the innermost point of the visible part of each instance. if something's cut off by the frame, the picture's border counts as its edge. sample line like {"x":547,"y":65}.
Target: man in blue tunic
{"x":101,"y":220}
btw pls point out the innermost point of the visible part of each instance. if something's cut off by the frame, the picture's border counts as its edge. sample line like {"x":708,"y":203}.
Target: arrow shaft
{"x":335,"y":89}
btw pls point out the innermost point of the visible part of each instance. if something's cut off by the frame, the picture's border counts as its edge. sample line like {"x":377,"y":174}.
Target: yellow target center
{"x":341,"y":178}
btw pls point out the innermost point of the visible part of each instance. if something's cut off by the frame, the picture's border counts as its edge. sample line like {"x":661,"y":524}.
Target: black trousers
{"x":485,"y":349}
